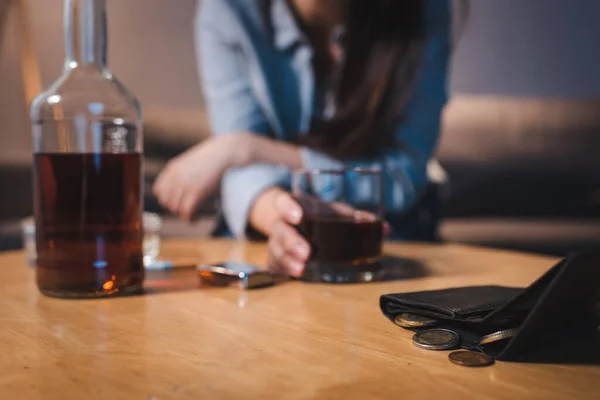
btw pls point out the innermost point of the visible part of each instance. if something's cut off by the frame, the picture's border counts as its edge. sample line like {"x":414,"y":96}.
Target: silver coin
{"x":436,"y":339}
{"x":470,"y":358}
{"x":498,"y":336}
{"x":407,"y":320}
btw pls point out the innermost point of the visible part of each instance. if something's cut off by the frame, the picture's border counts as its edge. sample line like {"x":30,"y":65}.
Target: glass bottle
{"x":87,"y":144}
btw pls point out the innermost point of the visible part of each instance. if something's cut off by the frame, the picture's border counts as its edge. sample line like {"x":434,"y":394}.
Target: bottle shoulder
{"x":90,"y":92}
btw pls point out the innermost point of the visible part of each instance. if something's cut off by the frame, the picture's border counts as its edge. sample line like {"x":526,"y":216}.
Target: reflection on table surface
{"x":293,"y":340}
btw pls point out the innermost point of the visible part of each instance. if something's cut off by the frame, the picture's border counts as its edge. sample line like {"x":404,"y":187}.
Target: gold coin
{"x":436,"y":339}
{"x":470,"y":358}
{"x":407,"y":320}
{"x":498,"y":336}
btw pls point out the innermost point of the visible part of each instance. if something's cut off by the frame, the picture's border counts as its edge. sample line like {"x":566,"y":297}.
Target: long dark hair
{"x":383,"y":44}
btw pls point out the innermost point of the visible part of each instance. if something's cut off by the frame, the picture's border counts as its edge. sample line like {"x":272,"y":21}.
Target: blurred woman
{"x":328,"y":84}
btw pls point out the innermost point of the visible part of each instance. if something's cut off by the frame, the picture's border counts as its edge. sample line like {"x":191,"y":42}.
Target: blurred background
{"x":520,"y":138}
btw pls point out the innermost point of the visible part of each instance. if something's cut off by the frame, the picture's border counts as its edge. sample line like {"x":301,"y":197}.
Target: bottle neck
{"x":85,"y":33}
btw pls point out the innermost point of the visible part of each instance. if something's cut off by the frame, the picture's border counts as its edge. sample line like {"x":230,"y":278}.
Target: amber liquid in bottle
{"x":89,"y":236}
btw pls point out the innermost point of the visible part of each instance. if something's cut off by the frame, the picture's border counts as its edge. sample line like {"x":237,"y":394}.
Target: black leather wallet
{"x":562,"y":305}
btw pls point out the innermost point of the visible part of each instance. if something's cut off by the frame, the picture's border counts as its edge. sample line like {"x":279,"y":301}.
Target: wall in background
{"x":534,"y":48}
{"x":150,"y":44}
{"x":14,"y":134}
{"x":162,"y":72}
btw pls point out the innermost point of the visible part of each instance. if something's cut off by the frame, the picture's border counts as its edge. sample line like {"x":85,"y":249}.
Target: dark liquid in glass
{"x":88,"y":210}
{"x":341,"y":246}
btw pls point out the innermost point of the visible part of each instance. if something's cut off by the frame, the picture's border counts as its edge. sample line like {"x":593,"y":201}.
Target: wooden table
{"x":292,"y":341}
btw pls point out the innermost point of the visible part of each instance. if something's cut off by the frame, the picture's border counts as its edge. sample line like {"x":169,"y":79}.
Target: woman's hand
{"x":191,"y":177}
{"x":195,"y":174}
{"x":288,"y":250}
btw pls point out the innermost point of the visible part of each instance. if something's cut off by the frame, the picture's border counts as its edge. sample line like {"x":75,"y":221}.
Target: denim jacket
{"x":257,"y":75}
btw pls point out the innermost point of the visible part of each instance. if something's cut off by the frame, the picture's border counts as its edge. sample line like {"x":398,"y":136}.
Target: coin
{"x":436,"y":339}
{"x":498,"y":336}
{"x":470,"y":358}
{"x":407,"y":320}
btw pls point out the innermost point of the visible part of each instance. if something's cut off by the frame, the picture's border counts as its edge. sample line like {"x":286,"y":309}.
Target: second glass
{"x":342,"y":222}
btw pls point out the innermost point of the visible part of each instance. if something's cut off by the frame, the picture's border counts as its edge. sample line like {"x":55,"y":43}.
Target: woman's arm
{"x":233,"y":109}
{"x":270,"y":151}
{"x":263,"y":213}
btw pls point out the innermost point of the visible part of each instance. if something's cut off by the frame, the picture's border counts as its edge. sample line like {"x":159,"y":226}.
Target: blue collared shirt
{"x":257,"y":75}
